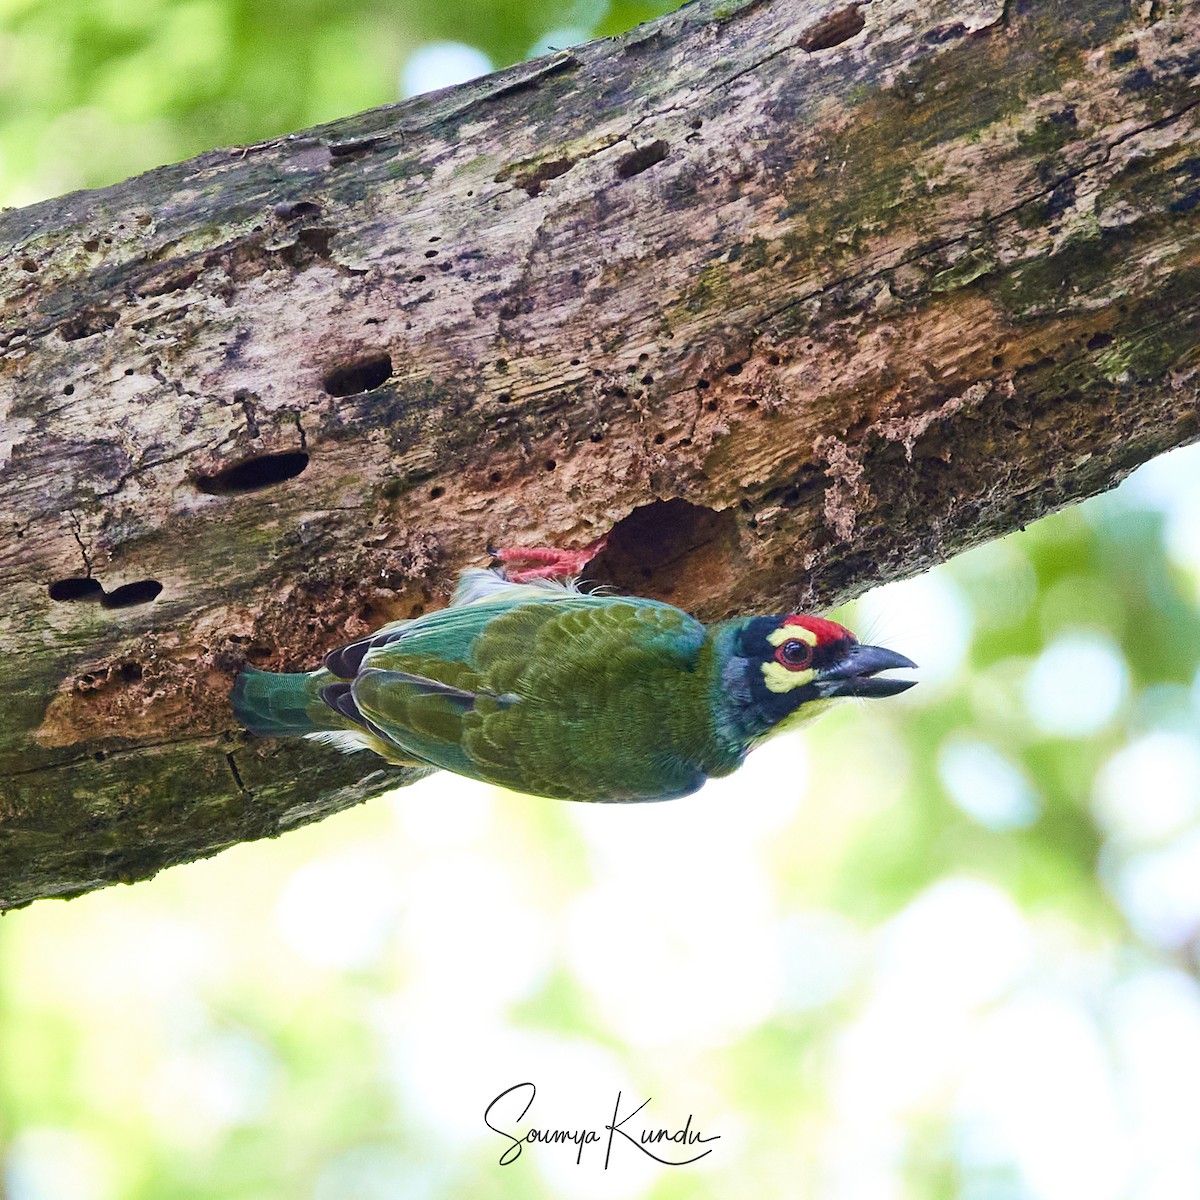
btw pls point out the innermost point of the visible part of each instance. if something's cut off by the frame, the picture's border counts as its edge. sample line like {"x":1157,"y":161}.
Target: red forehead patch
{"x":826,"y":631}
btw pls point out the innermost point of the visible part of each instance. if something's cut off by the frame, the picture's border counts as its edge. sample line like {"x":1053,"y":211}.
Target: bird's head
{"x":787,"y":669}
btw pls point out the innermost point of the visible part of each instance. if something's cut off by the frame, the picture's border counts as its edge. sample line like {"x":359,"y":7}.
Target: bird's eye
{"x":794,"y":654}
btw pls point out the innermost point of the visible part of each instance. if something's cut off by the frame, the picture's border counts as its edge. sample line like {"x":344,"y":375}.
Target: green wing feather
{"x":566,"y":697}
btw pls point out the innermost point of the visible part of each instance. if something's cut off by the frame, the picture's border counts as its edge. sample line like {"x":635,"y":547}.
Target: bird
{"x":531,"y":683}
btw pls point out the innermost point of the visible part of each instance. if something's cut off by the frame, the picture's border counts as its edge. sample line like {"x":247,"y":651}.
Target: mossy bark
{"x":788,"y":298}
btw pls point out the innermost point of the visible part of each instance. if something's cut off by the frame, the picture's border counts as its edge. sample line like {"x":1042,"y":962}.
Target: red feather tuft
{"x":826,"y":631}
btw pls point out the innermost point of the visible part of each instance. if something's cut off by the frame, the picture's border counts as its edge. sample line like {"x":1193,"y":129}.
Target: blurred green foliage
{"x":945,"y":947}
{"x":94,"y":90}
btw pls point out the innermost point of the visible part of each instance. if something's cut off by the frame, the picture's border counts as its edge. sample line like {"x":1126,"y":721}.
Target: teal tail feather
{"x":283,"y":705}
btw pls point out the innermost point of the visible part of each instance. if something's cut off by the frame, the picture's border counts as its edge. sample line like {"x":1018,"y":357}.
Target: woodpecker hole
{"x":642,"y":159}
{"x":531,"y":177}
{"x":129,"y":594}
{"x":833,"y":30}
{"x":315,"y":240}
{"x":363,"y":375}
{"x":76,"y":588}
{"x":292,"y":210}
{"x":254,"y":473}
{"x":88,"y":323}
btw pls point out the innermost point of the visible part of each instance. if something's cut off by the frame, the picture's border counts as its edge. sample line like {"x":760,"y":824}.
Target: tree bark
{"x":789,"y":299}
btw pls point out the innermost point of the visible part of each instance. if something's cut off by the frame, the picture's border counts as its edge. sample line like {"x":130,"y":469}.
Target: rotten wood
{"x":789,"y":298}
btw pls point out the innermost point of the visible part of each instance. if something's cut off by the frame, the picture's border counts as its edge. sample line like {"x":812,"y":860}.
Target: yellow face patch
{"x":791,"y":633}
{"x":779,"y":678}
{"x":805,"y":713}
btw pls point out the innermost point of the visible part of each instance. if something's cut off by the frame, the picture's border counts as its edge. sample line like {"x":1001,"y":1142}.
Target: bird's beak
{"x":856,"y":674}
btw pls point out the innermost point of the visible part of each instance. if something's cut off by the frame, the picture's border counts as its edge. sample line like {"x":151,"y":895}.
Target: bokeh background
{"x":945,"y":945}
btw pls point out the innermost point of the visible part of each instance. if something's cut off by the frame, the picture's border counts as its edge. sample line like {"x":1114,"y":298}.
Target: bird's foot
{"x":523,"y":563}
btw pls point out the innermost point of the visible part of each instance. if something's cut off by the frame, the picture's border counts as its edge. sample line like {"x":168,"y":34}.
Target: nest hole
{"x":669,"y":549}
{"x":77,"y":588}
{"x":88,"y":323}
{"x":833,"y":30}
{"x":642,"y":159}
{"x":126,"y":596}
{"x":254,"y":474}
{"x":362,"y":375}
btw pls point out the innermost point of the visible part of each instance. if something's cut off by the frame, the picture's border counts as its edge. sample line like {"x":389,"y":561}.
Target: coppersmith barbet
{"x":542,"y":688}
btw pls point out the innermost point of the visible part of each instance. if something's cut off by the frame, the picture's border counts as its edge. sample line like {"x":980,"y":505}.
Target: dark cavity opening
{"x":76,"y":589}
{"x":833,"y":30}
{"x":362,"y":375}
{"x":126,"y":596}
{"x":316,"y":239}
{"x":641,"y":160}
{"x":534,"y":179}
{"x":291,"y":210}
{"x":254,"y":473}
{"x":669,"y":550}
{"x":88,"y":324}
